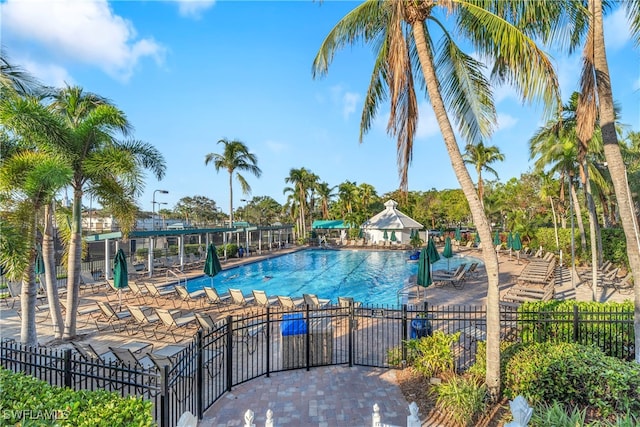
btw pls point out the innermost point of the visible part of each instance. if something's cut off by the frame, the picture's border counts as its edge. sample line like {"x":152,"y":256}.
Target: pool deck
{"x":327,"y":396}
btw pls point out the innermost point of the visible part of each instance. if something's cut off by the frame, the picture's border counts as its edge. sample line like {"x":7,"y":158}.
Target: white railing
{"x":182,"y":278}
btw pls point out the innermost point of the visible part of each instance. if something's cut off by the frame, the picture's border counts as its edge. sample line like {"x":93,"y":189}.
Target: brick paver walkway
{"x":335,"y":396}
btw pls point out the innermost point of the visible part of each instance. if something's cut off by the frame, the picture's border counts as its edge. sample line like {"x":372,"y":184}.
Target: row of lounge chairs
{"x":457,"y":278}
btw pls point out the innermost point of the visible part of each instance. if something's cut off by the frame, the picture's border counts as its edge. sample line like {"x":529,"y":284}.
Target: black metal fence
{"x":270,"y":340}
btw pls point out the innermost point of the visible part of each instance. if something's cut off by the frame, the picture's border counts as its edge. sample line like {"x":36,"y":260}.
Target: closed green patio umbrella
{"x":212,"y":263}
{"x":432,"y":251}
{"x":496,"y":239}
{"x":385,"y":236}
{"x":424,"y":269}
{"x":477,"y":240}
{"x":510,"y":243}
{"x":458,"y":235}
{"x":517,"y":244}
{"x":39,"y":267}
{"x":393,"y":236}
{"x":120,"y":274}
{"x":447,"y":252}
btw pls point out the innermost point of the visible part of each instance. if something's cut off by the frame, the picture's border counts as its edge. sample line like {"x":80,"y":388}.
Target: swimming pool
{"x":373,"y":277}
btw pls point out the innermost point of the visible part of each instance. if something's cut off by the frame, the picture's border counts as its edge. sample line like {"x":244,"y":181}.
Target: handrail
{"x":178,"y":275}
{"x":404,"y":291}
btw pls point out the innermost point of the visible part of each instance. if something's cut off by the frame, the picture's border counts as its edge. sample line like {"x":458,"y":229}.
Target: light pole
{"x":153,"y":207}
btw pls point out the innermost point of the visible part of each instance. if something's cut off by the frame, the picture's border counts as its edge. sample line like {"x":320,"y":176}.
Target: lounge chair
{"x":112,"y":317}
{"x":116,"y":293}
{"x":139,"y":291}
{"x":472,"y":271}
{"x":128,"y":358}
{"x":89,"y":354}
{"x":91,"y":311}
{"x":88,"y":282}
{"x":161,"y":294}
{"x":238,"y":298}
{"x":261,"y":299}
{"x":457,"y":281}
{"x":625,"y":285}
{"x":205,"y":321}
{"x":288,"y":302}
{"x":189,"y":297}
{"x":313,"y":301}
{"x":346,"y":302}
{"x":142,"y":320}
{"x":447,"y":273}
{"x":248,"y":332}
{"x":175,"y":324}
{"x":213,"y":298}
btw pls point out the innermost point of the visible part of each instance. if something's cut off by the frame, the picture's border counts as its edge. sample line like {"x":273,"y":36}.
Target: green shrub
{"x":574,"y":374}
{"x":232,"y":250}
{"x":556,"y":415}
{"x":553,"y":321}
{"x":461,"y":398}
{"x":434,"y":354}
{"x":394,"y":356}
{"x":29,"y":401}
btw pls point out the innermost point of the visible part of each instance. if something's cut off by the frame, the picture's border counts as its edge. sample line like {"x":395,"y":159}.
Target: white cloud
{"x":194,"y":8}
{"x":506,"y":121}
{"x":349,"y":101}
{"x":84,"y":31}
{"x":49,"y":74}
{"x":276,"y":147}
{"x":616,"y":29}
{"x":636,"y":84}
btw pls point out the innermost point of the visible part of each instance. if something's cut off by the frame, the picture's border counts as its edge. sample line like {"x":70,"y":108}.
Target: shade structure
{"x":458,"y":235}
{"x":496,"y":239}
{"x":477,"y":239}
{"x":39,"y":267}
{"x":385,"y":236}
{"x":447,"y":252}
{"x":120,"y":274}
{"x":212,"y":263}
{"x":393,"y":236}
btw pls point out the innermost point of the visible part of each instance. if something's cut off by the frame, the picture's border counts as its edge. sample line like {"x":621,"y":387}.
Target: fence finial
{"x":248,"y":419}
{"x":376,"y":416}
{"x":521,"y":412}
{"x":269,"y":421}
{"x":412,"y":419}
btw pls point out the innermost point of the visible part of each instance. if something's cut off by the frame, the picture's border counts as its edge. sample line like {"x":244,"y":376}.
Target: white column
{"x":107,"y":263}
{"x":150,"y":257}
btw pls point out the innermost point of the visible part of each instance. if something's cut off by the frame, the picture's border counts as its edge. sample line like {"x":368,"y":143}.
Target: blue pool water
{"x":373,"y":277}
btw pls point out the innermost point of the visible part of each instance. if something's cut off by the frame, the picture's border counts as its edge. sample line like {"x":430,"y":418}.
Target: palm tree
{"x":454,"y":85}
{"x":598,"y":73}
{"x":303,"y":180}
{"x":28,"y":181}
{"x":109,"y":170}
{"x":326,"y":194}
{"x":235,"y":158}
{"x":481,"y":156}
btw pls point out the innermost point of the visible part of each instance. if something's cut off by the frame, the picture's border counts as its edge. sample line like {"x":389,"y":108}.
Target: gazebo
{"x":391,"y":221}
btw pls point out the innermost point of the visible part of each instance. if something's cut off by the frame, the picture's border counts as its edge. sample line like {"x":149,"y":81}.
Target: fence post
{"x":350,"y":329}
{"x":307,"y":341}
{"x":576,"y":330}
{"x":376,"y":419}
{"x":268,"y":341}
{"x":164,"y":397}
{"x":269,"y":420}
{"x":229,"y":352}
{"x":413,"y":420}
{"x":67,"y":367}
{"x":404,"y":332}
{"x":199,"y":375}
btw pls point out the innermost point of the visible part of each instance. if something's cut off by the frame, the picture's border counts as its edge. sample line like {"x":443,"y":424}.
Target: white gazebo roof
{"x":391,"y":219}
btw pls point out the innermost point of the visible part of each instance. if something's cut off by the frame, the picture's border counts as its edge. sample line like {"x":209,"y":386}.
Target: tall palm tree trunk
{"x":578,"y":212}
{"x":230,"y":199}
{"x":616,"y":164}
{"x":28,"y":295}
{"x":73,"y":266}
{"x":593,"y":229}
{"x":48,"y":255}
{"x":477,"y":211}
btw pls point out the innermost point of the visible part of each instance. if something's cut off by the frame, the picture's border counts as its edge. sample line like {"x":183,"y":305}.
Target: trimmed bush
{"x":461,"y":398}
{"x":29,"y":401}
{"x":574,"y":374}
{"x":433,"y":355}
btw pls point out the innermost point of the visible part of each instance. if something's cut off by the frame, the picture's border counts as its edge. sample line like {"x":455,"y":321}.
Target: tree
{"x":109,"y":170}
{"x":303,"y":180}
{"x":28,"y":181}
{"x":481,"y":156}
{"x":598,"y":73}
{"x":200,"y":210}
{"x":456,"y":88}
{"x":235,"y":158}
{"x":325,"y":193}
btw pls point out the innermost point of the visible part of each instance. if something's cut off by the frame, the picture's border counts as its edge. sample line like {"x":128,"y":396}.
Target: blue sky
{"x":188,"y":73}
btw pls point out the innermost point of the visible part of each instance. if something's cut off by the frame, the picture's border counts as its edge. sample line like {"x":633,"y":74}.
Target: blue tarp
{"x":293,"y":324}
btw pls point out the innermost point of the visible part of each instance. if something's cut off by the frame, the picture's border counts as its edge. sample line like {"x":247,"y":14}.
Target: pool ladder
{"x":182,"y":278}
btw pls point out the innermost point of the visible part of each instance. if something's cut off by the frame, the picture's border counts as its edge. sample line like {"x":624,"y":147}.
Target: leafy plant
{"x":28,"y":401}
{"x":462,"y":398}
{"x":556,"y":415}
{"x":433,"y":355}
